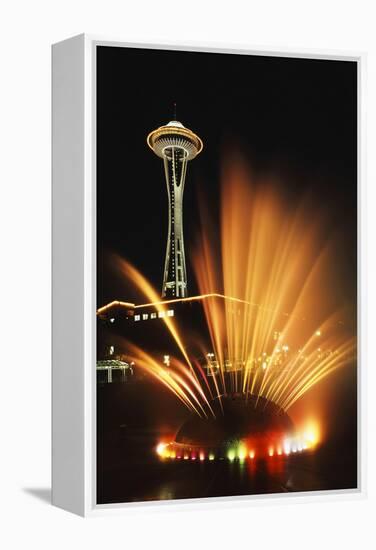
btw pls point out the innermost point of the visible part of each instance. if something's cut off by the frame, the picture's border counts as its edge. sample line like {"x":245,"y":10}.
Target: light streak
{"x":273,"y":260}
{"x":267,"y":302}
{"x":143,"y":285}
{"x":168,"y":377}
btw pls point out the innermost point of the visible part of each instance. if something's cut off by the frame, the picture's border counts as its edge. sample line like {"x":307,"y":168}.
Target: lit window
{"x":137,"y":317}
{"x":170,"y":313}
{"x":153,"y":315}
{"x":161,"y":313}
{"x":145,"y":316}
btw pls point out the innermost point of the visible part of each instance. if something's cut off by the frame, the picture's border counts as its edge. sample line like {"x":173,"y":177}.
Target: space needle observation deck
{"x":176,"y":145}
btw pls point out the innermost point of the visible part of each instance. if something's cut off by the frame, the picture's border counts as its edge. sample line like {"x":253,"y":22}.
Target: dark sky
{"x":295,"y":118}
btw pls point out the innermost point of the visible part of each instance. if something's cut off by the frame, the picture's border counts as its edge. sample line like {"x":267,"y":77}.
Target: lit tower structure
{"x":176,"y":145}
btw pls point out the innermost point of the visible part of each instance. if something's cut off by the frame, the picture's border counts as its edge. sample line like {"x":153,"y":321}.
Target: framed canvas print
{"x":206,"y":325}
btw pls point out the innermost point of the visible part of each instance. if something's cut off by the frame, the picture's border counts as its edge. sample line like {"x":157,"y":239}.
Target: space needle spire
{"x":176,"y":145}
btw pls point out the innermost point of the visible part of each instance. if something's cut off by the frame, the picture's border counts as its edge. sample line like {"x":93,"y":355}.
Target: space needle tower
{"x":176,"y":145}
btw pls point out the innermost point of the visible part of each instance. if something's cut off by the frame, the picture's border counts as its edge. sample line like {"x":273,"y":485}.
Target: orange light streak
{"x":276,"y":329}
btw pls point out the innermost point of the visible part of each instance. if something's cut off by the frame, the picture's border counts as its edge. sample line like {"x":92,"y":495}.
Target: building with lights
{"x":176,"y":145}
{"x":146,"y":326}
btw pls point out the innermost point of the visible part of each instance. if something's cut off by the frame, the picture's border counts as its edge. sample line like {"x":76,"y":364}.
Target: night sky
{"x":294,"y":118}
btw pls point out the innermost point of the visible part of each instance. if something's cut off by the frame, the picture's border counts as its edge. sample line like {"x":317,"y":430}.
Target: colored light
{"x":271,"y":451}
{"x":242,"y":452}
{"x":161,"y":449}
{"x":310,"y":436}
{"x":231,"y":455}
{"x":252,"y":455}
{"x":202,"y":455}
{"x":287,"y":447}
{"x":211,"y":456}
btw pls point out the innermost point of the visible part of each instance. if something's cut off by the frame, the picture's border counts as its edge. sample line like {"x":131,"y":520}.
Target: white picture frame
{"x":74,"y":278}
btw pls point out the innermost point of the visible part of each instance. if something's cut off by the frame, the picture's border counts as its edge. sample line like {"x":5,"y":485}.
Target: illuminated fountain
{"x":276,"y":327}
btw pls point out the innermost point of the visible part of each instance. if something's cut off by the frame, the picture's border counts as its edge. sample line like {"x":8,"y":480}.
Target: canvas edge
{"x":68,"y":378}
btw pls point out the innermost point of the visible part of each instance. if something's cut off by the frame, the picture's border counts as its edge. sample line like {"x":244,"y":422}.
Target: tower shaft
{"x":176,"y":145}
{"x":175,"y":272}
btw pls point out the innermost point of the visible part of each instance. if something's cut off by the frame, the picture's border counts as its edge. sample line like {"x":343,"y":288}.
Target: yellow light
{"x":115,"y":303}
{"x":173,"y":130}
{"x":311,"y":434}
{"x":161,"y":449}
{"x":318,"y":332}
{"x":271,"y":451}
{"x":187,"y":299}
{"x":211,"y":456}
{"x":231,"y":455}
{"x":252,"y":455}
{"x":242,"y":452}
